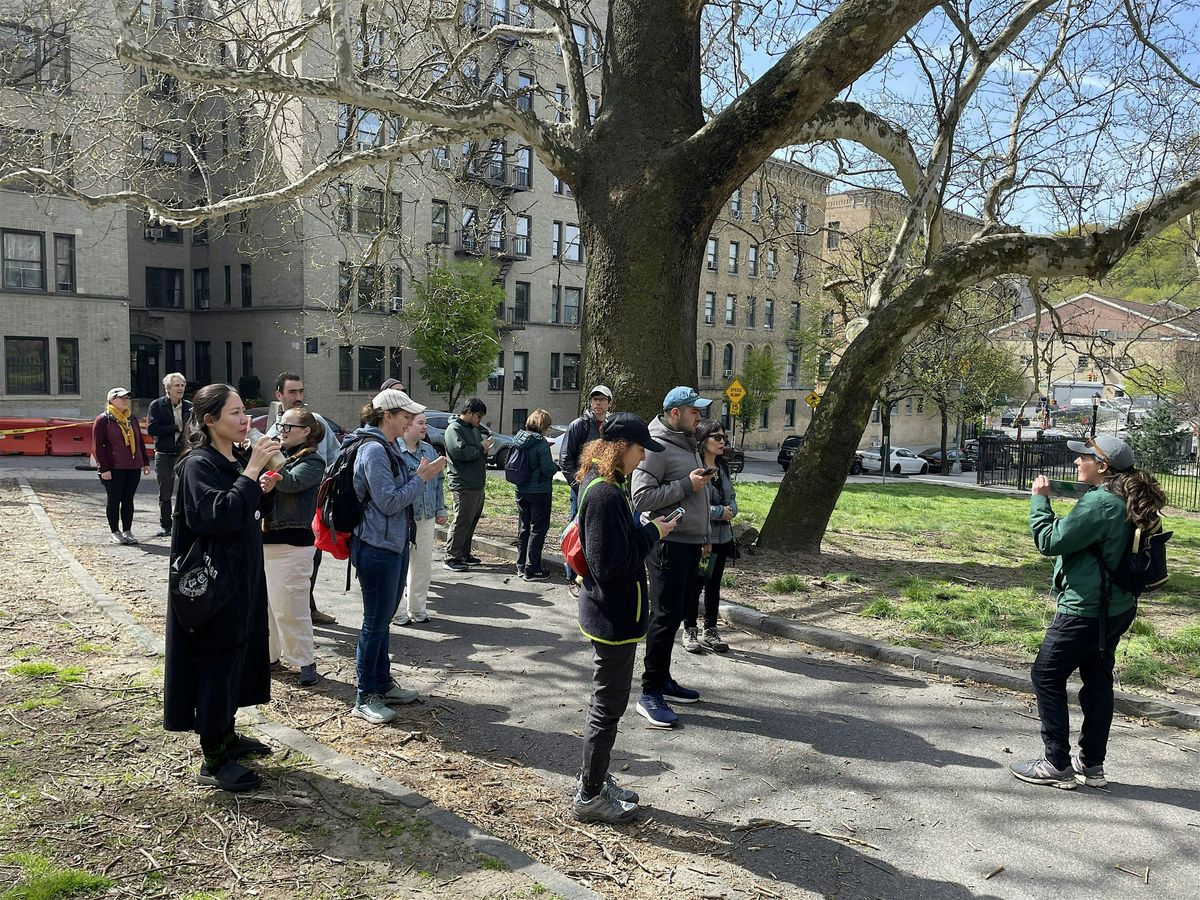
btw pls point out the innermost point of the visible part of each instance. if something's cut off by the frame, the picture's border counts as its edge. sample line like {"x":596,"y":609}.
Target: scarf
{"x":122,"y":420}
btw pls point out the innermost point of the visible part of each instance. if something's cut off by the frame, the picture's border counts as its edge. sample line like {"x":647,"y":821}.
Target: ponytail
{"x":1143,"y":497}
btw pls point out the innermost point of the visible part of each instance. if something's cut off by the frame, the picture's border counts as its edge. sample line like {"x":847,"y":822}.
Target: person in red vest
{"x":122,"y":461}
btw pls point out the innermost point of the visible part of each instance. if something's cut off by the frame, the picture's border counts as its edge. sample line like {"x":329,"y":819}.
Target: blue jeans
{"x":380,"y":574}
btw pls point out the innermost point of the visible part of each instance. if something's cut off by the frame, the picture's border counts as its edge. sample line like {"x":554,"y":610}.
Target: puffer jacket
{"x":662,"y":482}
{"x":541,"y":462}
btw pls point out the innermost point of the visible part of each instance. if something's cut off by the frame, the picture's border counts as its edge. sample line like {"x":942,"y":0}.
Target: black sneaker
{"x":456,"y":565}
{"x":691,"y":641}
{"x":244,"y":745}
{"x":674,"y":692}
{"x":656,"y":711}
{"x":308,"y":675}
{"x":232,"y":776}
{"x":472,"y":560}
{"x":1042,"y":771}
{"x":536,"y":574}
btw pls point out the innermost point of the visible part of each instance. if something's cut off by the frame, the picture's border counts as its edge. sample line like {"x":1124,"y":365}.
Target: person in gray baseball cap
{"x":1092,"y":612}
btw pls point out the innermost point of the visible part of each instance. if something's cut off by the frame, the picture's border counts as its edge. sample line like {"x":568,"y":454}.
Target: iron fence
{"x":1017,"y":463}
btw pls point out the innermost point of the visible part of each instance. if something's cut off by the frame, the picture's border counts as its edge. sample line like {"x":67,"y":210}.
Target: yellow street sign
{"x":735,"y":392}
{"x":813,"y":399}
{"x":735,"y":408}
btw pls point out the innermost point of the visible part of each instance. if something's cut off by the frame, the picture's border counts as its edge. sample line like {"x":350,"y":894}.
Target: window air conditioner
{"x":442,"y":162}
{"x":397,"y":304}
{"x":556,"y":384}
{"x":154,"y":233}
{"x":737,"y":215}
{"x":728,"y":373}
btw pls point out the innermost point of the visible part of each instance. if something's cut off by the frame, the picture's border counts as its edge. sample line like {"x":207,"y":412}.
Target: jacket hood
{"x":527,"y":439}
{"x":660,"y":431}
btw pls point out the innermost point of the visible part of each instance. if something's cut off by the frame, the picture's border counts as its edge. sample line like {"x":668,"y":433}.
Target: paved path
{"x":788,"y":742}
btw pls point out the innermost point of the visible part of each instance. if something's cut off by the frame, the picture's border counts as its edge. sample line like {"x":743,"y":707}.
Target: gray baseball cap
{"x":1107,"y":447}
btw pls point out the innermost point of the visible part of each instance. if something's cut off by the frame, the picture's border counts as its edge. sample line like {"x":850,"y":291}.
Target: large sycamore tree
{"x":1056,"y":112}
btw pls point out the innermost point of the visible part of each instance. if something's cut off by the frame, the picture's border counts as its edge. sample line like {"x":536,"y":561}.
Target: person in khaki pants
{"x":429,"y":511}
{"x":467,"y":453}
{"x":288,"y":543}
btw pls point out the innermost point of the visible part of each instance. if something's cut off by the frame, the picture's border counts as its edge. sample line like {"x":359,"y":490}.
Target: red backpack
{"x":572,"y":536}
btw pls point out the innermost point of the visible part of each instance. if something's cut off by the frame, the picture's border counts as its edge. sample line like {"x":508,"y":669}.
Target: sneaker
{"x":520,"y":570}
{"x":691,"y":641}
{"x":623,"y":794}
{"x":421,"y":619}
{"x":162,"y":532}
{"x":323,"y":618}
{"x":244,"y":745}
{"x":308,"y":675}
{"x":374,"y":710}
{"x":1041,"y":771}
{"x":128,"y":538}
{"x":677,"y":693}
{"x":231,"y":776}
{"x":1092,"y":776}
{"x":400,"y":695}
{"x":456,"y":565}
{"x":472,"y":560}
{"x":536,"y":574}
{"x":573,"y":590}
{"x":654,"y":709}
{"x":711,"y":638}
{"x":604,"y":807}
{"x":401,"y":619}
{"x":117,"y":538}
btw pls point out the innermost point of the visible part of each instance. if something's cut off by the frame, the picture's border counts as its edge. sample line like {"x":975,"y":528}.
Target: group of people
{"x":654,"y":504}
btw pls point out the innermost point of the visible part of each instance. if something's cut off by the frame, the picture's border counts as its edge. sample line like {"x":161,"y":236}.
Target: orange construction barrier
{"x":74,"y":438}
{"x":147,"y":439}
{"x":23,"y":437}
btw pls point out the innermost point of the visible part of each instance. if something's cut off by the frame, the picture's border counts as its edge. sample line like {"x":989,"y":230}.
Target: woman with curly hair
{"x":1092,"y":611}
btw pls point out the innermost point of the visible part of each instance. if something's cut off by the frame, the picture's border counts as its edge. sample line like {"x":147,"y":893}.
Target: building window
{"x":228,"y":288}
{"x":908,"y":406}
{"x":176,"y":356}
{"x":572,"y":305}
{"x":735,"y":203}
{"x":520,"y":379}
{"x":368,"y":290}
{"x":833,"y":237}
{"x":573,"y":249}
{"x":229,"y":362}
{"x":727,"y":360}
{"x":555,"y":304}
{"x":769,"y":314}
{"x":521,"y":236}
{"x":200,"y":288}
{"x":345,"y":368}
{"x":247,"y":286}
{"x":730,"y":309}
{"x":563,"y":103}
{"x":772,"y":264}
{"x":789,"y":413}
{"x":825,"y":367}
{"x":795,"y":314}
{"x":30,"y":58}
{"x":524,"y":91}
{"x":710,"y":308}
{"x":875,"y":414}
{"x":710,"y":255}
{"x":793,"y":367}
{"x":64,"y":263}
{"x":370,"y":210}
{"x":751,"y":312}
{"x":706,"y":361}
{"x":764,"y":418}
{"x":203,"y":362}
{"x":247,"y":358}
{"x":556,"y":241}
{"x":164,"y":288}
{"x":167,"y":234}
{"x":200,"y":234}
{"x":521,"y":301}
{"x":755,"y":205}
{"x":24,"y":261}
{"x":370,"y":368}
{"x":752,"y":260}
{"x":570,"y":373}
{"x":441,"y":222}
{"x":68,"y":365}
{"x":27,"y":365}
{"x":801,"y":217}
{"x":733,"y":257}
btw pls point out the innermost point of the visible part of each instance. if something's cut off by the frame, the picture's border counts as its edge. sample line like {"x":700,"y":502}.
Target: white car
{"x":903,"y":462}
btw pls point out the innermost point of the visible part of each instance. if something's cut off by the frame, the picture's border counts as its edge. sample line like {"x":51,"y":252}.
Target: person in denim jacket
{"x":429,"y":511}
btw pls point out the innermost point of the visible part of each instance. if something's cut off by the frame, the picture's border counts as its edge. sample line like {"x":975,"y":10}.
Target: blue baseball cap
{"x":684,"y":396}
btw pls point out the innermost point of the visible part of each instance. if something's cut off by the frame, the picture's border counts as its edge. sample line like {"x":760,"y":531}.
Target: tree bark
{"x":945,"y":470}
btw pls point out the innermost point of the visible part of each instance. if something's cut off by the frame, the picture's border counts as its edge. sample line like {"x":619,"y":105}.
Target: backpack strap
{"x":1106,"y":583}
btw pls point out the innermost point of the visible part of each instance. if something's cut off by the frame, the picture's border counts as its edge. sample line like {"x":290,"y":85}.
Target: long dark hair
{"x":210,"y":400}
{"x":705,"y":429}
{"x":1144,"y":499}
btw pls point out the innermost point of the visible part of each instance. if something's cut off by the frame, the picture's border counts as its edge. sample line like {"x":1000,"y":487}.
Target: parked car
{"x":901,"y":462}
{"x":787,"y":450}
{"x":437,"y":422}
{"x":735,"y":458}
{"x":933,"y":456}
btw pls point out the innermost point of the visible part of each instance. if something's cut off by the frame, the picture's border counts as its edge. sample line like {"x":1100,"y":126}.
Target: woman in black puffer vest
{"x":612,"y":603}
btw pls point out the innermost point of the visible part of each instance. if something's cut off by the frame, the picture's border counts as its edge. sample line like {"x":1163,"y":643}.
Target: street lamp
{"x":1095,"y":411}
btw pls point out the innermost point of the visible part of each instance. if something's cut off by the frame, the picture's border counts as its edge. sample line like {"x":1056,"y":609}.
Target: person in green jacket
{"x":1098,"y":531}
{"x":466,"y":452}
{"x":534,"y":495}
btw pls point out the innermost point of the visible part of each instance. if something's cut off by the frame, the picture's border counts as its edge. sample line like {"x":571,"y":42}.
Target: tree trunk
{"x":945,"y":432}
{"x":885,"y":430}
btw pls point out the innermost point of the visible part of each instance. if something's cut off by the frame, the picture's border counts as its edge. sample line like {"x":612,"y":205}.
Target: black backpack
{"x":517,"y":468}
{"x":1140,"y":571}
{"x":338,"y":503}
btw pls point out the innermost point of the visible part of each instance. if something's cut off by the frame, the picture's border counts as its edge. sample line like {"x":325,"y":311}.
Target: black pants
{"x":710,"y":587}
{"x":534,"y":512}
{"x":612,"y":676}
{"x":164,"y":468}
{"x":1073,"y":642}
{"x":216,"y":746}
{"x":672,"y":569}
{"x":312,"y":582}
{"x":120,"y":490}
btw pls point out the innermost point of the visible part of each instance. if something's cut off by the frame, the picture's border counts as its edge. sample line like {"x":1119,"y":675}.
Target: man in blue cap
{"x":668,"y":479}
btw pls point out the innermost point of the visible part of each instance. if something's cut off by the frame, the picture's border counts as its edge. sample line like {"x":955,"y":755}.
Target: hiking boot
{"x":231,"y":776}
{"x":472,"y":560}
{"x":1092,"y":776}
{"x":604,"y":807}
{"x":536,"y":574}
{"x":323,"y":618}
{"x":1042,"y":771}
{"x":654,"y":709}
{"x":128,"y":538}
{"x":400,"y":695}
{"x":308,"y":675}
{"x":374,"y":710}
{"x":691,"y":641}
{"x":677,"y":693}
{"x":456,"y":565}
{"x":623,"y":794}
{"x":711,"y":638}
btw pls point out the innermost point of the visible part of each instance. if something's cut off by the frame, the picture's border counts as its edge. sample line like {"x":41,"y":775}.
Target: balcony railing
{"x":514,"y":319}
{"x":490,"y":244}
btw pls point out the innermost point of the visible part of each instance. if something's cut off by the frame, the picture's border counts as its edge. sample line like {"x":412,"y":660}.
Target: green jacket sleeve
{"x":1057,"y":536}
{"x":459,"y":446}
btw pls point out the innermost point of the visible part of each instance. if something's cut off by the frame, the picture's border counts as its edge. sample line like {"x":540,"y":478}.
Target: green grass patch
{"x":843,"y":578}
{"x":88,"y":647}
{"x":787,"y":584}
{"x":494,"y":865}
{"x":44,"y":701}
{"x":42,"y":669}
{"x":729,"y":580}
{"x":42,"y":880}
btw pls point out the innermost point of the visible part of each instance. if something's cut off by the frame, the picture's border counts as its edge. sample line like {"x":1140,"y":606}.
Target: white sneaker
{"x":374,"y":710}
{"x":128,"y":538}
{"x":401,"y":619}
{"x":117,"y":538}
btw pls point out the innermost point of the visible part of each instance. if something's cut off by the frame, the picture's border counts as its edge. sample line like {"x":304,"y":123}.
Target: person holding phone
{"x":612,"y":603}
{"x":710,"y":436}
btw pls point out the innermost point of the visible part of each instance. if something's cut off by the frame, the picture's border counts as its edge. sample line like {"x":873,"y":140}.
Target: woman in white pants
{"x":429,"y":511}
{"x":288,"y":544}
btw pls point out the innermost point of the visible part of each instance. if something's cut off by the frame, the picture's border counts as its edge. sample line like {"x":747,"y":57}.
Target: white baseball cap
{"x":394,"y":399}
{"x":118,"y":392}
{"x":600,"y":389}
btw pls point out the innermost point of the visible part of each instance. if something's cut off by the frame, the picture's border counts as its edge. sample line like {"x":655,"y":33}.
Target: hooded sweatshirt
{"x":662,"y":483}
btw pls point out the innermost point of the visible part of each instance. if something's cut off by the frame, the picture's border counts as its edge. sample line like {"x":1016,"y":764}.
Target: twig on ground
{"x":995,"y":871}
{"x":846,"y":838}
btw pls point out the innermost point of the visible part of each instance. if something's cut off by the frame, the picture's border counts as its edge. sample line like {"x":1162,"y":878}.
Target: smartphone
{"x":675,"y":515}
{"x":710,"y":470}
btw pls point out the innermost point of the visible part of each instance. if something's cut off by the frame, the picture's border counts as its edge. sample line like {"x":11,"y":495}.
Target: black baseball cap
{"x":624,"y":426}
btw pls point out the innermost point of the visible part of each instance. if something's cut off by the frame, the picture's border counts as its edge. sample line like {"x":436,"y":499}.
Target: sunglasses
{"x":1090,"y":443}
{"x":717,"y":437}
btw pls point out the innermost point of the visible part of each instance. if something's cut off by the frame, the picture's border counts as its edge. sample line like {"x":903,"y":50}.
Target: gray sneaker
{"x":604,"y":807}
{"x":1092,"y":776}
{"x":1042,"y":771}
{"x":128,"y":538}
{"x":691,"y":641}
{"x":711,"y":638}
{"x":117,"y":538}
{"x":397,"y":694}
{"x":625,"y":795}
{"x":374,"y":710}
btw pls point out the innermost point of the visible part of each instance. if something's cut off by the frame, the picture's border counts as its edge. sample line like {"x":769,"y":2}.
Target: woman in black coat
{"x":215,"y":666}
